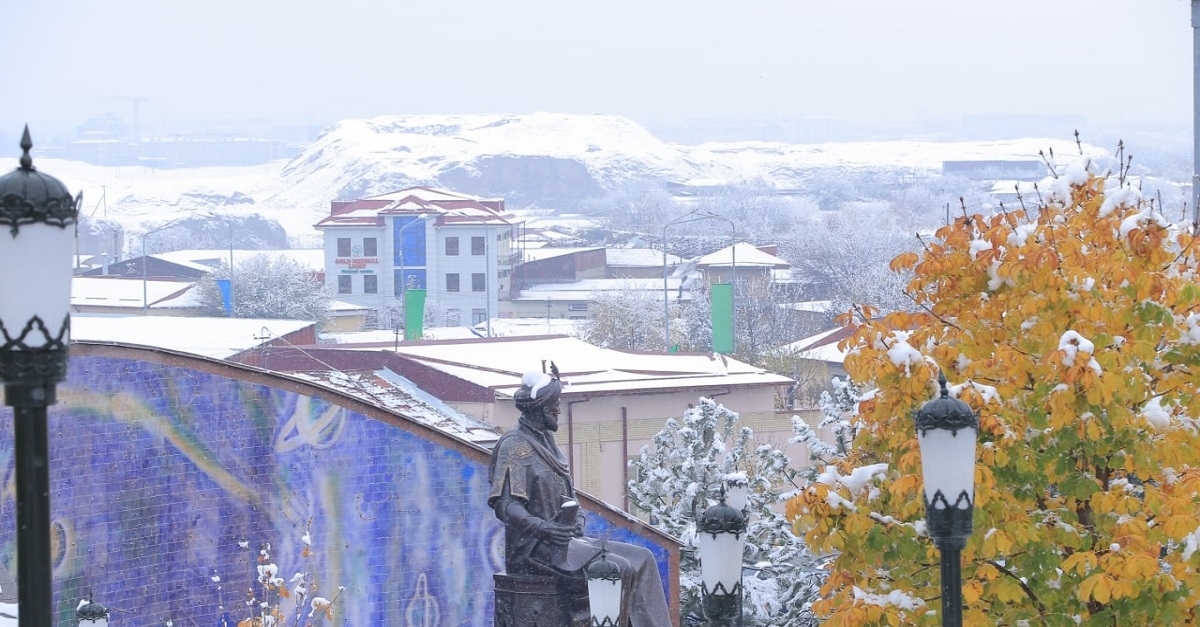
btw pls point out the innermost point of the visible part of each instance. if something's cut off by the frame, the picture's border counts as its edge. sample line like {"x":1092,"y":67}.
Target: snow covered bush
{"x":266,"y":286}
{"x":1069,"y":326}
{"x":682,"y":472}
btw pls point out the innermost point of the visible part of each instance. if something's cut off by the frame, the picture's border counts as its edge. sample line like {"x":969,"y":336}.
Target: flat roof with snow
{"x":499,"y":363}
{"x":218,"y":338}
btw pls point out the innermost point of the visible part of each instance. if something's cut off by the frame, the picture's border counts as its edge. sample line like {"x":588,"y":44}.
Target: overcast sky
{"x":859,"y":60}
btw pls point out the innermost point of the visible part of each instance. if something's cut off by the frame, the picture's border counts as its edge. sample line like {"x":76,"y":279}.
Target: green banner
{"x":414,"y":314}
{"x":722,"y":317}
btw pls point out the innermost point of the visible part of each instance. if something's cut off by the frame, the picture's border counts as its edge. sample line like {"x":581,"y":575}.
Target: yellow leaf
{"x":904,"y":261}
{"x":1081,"y":562}
{"x":1096,"y":588}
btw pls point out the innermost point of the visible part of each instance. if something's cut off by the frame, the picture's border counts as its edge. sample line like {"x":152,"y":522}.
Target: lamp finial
{"x":26,"y":145}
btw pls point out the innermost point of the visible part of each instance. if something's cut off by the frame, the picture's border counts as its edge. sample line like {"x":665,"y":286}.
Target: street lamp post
{"x":35,"y":279}
{"x":721,"y":532}
{"x":947,"y":430}
{"x":691,"y":216}
{"x":91,"y":614}
{"x":1195,"y":115}
{"x":732,"y":269}
{"x":145,"y":291}
{"x":604,"y":591}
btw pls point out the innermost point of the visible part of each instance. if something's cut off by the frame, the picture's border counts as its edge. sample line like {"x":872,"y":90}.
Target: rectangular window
{"x":478,"y":316}
{"x":452,"y":282}
{"x":478,"y":282}
{"x":370,"y":284}
{"x":577,"y":307}
{"x":344,"y":283}
{"x":370,"y":247}
{"x":477,"y":246}
{"x":343,"y":245}
{"x":451,"y":246}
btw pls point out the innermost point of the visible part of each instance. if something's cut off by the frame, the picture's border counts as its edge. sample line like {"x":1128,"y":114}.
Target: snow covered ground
{"x":358,"y":158}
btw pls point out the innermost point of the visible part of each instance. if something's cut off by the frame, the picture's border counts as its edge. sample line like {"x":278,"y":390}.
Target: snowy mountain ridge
{"x":547,"y":160}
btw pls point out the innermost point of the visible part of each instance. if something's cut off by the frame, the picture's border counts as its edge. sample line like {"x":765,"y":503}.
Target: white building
{"x":458,"y":248}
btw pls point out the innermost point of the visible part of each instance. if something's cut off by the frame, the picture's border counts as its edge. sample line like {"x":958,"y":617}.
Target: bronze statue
{"x":532,"y":493}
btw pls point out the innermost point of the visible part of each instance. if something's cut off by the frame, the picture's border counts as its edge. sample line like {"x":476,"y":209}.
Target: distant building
{"x":991,"y":169}
{"x":458,"y":248}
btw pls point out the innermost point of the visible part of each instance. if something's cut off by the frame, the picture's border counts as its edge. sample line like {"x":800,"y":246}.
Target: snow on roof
{"x":747,"y":255}
{"x":182,"y":262}
{"x":115,"y":292}
{"x":310,"y":258}
{"x":606,"y":285}
{"x":499,"y":363}
{"x":428,"y":194}
{"x":820,"y":347}
{"x":525,"y":327}
{"x":382,"y":336}
{"x":639,"y":258}
{"x":589,"y":289}
{"x":395,"y":393}
{"x":545,"y":235}
{"x":343,"y":307}
{"x":539,"y":254}
{"x":218,"y":338}
{"x":814,"y":306}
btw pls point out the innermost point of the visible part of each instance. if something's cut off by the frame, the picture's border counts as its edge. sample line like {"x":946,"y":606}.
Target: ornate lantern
{"x":722,"y":538}
{"x":91,"y":614}
{"x":947,"y":430}
{"x":604,"y":591}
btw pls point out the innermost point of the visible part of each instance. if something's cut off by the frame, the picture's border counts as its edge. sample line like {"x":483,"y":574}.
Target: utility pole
{"x":1195,"y":116}
{"x":137,"y":131}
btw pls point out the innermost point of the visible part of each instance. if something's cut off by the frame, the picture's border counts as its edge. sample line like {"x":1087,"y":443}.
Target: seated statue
{"x":532,"y":494}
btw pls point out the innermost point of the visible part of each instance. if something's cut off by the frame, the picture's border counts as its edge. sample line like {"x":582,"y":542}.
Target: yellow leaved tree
{"x":1073,"y":328}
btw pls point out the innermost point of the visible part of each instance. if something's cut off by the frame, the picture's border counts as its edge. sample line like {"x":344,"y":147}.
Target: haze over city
{"x":1107,"y":65}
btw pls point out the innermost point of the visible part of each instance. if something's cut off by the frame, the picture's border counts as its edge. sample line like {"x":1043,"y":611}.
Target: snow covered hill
{"x":546,"y":160}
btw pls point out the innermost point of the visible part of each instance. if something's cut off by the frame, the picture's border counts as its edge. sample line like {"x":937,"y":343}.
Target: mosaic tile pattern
{"x":159,"y":471}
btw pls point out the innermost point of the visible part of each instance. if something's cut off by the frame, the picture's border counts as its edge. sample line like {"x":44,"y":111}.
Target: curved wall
{"x":170,"y":471}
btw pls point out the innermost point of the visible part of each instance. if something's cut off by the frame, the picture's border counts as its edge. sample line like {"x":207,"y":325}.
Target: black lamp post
{"x":947,"y":430}
{"x":722,"y":538}
{"x":35,"y":300}
{"x":91,"y":614}
{"x":604,"y":591}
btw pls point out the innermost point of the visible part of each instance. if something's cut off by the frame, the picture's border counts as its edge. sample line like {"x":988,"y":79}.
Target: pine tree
{"x":682,"y":472}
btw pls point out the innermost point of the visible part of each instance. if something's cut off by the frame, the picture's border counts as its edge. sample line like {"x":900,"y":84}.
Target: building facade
{"x":457,"y":248}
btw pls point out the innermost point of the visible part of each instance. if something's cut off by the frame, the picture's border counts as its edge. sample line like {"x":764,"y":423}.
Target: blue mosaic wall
{"x":161,"y":473}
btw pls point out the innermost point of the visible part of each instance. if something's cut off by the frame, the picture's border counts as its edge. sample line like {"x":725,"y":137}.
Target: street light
{"x":1195,"y":115}
{"x":145,"y":297}
{"x":35,"y":278}
{"x":722,"y":539}
{"x":604,"y":591}
{"x":691,"y":216}
{"x":733,"y":270}
{"x":91,"y":614}
{"x":947,"y":430}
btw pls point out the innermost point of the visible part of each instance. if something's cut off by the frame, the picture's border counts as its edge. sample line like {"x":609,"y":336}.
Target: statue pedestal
{"x":530,"y":601}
